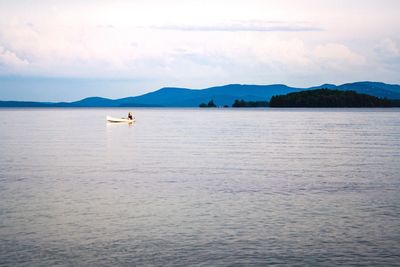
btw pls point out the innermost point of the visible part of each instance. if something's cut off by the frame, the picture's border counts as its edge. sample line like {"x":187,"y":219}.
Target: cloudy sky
{"x":65,"y":50}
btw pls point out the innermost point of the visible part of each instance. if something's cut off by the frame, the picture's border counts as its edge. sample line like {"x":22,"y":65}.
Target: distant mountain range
{"x":222,"y":95}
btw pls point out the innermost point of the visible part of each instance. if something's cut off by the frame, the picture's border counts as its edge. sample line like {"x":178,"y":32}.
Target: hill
{"x":328,"y":98}
{"x":222,"y":95}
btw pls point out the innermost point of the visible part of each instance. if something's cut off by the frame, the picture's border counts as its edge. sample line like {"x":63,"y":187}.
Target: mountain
{"x":373,"y":88}
{"x":222,"y":95}
{"x":24,"y":104}
{"x":324,"y":86}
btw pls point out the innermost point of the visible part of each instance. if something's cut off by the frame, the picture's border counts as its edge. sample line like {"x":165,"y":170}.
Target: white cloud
{"x":337,"y":54}
{"x":240,"y":41}
{"x":244,"y":26}
{"x":93,"y":51}
{"x":10,"y":61}
{"x":388,"y":51}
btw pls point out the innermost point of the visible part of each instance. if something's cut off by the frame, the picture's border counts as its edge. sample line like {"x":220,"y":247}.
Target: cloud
{"x":143,"y":53}
{"x":338,"y":54}
{"x":244,"y":26}
{"x":109,"y":26}
{"x":9,"y":60}
{"x":388,"y":52}
{"x":189,"y":57}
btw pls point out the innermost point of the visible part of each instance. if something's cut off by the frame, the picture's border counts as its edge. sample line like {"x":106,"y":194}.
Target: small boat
{"x":125,"y":120}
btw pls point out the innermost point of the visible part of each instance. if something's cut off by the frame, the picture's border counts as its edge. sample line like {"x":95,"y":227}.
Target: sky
{"x":65,"y":50}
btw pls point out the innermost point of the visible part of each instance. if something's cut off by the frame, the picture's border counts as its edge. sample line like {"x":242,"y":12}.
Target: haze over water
{"x":200,"y":187}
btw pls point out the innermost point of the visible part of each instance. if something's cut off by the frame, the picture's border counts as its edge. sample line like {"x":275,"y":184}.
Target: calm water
{"x":200,"y":187}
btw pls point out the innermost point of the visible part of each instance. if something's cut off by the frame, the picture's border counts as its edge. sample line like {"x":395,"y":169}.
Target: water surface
{"x":200,"y":187}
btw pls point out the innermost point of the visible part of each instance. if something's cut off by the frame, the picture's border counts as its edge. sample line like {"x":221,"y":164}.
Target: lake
{"x":203,"y":187}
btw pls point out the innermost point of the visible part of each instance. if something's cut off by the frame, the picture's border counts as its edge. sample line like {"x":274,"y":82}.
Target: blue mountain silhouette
{"x":222,"y":95}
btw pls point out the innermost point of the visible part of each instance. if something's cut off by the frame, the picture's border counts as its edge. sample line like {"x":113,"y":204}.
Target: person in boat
{"x":130,"y":116}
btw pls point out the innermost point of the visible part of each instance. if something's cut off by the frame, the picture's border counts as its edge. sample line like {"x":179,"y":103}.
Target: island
{"x":249,"y":104}
{"x":328,"y":98}
{"x":210,"y":104}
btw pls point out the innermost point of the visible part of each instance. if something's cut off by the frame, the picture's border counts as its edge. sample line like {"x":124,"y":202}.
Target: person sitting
{"x":130,"y":116}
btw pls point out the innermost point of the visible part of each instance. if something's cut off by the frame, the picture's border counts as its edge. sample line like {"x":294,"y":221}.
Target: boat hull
{"x":119,"y":120}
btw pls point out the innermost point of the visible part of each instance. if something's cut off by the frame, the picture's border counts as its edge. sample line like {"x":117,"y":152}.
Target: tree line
{"x":238,"y":104}
{"x":328,"y":98}
{"x":316,"y":98}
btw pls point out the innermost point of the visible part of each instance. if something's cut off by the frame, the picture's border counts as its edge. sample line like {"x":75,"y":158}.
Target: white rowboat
{"x":125,"y":120}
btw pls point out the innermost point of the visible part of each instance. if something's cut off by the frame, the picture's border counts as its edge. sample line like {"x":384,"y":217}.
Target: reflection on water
{"x":119,"y":124}
{"x":200,"y":187}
